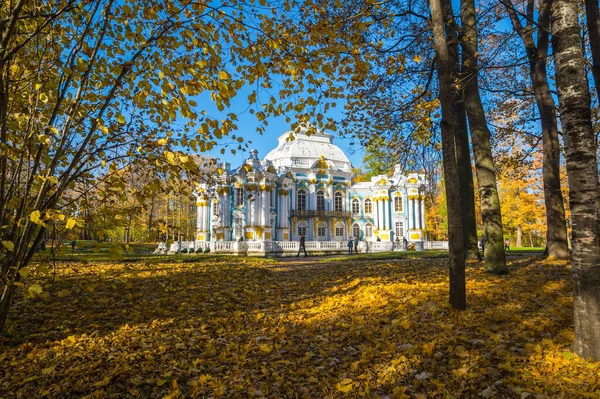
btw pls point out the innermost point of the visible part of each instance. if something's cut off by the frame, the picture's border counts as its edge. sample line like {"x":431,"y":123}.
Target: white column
{"x":386,"y":222}
{"x":376,"y":212}
{"x":266,"y":207}
{"x":329,"y":202}
{"x":256,"y":210}
{"x":422,"y":212}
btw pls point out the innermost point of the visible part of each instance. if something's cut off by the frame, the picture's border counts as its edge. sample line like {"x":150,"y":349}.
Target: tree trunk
{"x":593,"y":22}
{"x":557,"y":245}
{"x":494,"y":255}
{"x":519,"y":242}
{"x":463,"y":153}
{"x":449,"y":125}
{"x":575,"y":116}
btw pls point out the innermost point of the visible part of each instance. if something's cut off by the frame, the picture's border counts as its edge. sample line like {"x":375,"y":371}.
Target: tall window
{"x":321,"y":230}
{"x":368,"y":231}
{"x":356,"y":231}
{"x":238,"y":226}
{"x":337,"y":202}
{"x":301,"y":231}
{"x":398,"y":204}
{"x":320,"y":201}
{"x":301,"y":200}
{"x":355,"y":207}
{"x":368,"y":206}
{"x":399,"y":229}
{"x":239,"y":197}
{"x":339,"y":232}
{"x":215,"y":209}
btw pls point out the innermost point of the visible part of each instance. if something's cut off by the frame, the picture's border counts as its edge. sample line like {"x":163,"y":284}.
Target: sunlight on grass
{"x":244,"y":327}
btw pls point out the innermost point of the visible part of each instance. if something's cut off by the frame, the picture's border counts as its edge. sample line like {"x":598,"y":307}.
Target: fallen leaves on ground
{"x":240,"y":327}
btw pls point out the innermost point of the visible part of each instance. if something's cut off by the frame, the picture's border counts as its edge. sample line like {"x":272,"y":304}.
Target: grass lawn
{"x":342,"y":327}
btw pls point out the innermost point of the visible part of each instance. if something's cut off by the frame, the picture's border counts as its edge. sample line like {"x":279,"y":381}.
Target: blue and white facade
{"x":304,"y":186}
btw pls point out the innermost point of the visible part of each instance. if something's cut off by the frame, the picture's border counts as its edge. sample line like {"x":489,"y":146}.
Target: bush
{"x":206,"y":250}
{"x":184,"y":251}
{"x":191,"y":250}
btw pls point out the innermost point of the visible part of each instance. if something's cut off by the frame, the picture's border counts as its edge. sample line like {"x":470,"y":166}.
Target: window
{"x":398,"y":204}
{"x":337,"y":202}
{"x":321,"y":230}
{"x":239,"y":197}
{"x":356,"y":231}
{"x":399,"y":229}
{"x":355,"y":207}
{"x":368,"y":206}
{"x":320,"y":201}
{"x":301,"y":205}
{"x":339,"y":231}
{"x":238,"y":226}
{"x":215,"y":209}
{"x":368,"y":231}
{"x":301,"y":231}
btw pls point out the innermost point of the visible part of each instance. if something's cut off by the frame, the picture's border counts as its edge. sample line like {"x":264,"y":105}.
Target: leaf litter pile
{"x":240,"y":328}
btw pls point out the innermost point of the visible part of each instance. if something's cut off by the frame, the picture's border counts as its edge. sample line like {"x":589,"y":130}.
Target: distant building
{"x":304,"y":186}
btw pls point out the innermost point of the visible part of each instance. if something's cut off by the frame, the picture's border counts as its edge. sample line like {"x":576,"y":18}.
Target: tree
{"x":88,"y":86}
{"x":449,"y":125}
{"x":575,"y":116}
{"x":495,"y":261}
{"x":537,"y":53}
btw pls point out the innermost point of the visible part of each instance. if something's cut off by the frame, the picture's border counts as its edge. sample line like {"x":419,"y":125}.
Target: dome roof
{"x":304,"y":151}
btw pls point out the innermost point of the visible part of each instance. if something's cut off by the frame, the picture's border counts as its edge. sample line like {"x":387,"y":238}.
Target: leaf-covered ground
{"x":239,"y":328}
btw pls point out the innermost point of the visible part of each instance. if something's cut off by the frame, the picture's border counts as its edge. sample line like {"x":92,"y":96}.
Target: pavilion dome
{"x":306,"y":151}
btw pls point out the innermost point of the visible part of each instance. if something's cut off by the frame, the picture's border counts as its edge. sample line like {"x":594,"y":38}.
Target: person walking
{"x":482,"y":243}
{"x":302,"y":246}
{"x":356,"y":245}
{"x":350,"y":245}
{"x":405,"y":243}
{"x":507,"y":245}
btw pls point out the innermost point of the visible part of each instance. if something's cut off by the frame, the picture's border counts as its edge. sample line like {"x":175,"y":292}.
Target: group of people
{"x":352,"y":244}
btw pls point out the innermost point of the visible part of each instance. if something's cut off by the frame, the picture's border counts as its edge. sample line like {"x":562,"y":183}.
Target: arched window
{"x":302,"y":229}
{"x":355,"y":207}
{"x":368,"y":207}
{"x":337,"y":202}
{"x":356,"y":231}
{"x":301,"y":205}
{"x":398,"y":204}
{"x":368,"y":231}
{"x":320,"y":200}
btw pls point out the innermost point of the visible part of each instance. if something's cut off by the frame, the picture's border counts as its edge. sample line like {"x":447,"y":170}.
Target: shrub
{"x":184,"y":251}
{"x":206,"y":250}
{"x":191,"y":250}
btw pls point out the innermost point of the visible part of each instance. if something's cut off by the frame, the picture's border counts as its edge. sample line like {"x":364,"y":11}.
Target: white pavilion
{"x":304,"y":186}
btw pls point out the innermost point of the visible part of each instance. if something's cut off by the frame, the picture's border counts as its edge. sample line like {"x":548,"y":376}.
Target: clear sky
{"x":247,"y":125}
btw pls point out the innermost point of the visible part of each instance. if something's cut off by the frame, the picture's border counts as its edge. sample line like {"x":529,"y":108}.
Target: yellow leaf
{"x":162,"y":142}
{"x":223,"y":75}
{"x":405,"y":324}
{"x":121,"y":119}
{"x":48,"y":370}
{"x":8,"y":245}
{"x":70,"y":223}
{"x":345,"y":385}
{"x":35,"y":217}
{"x":35,"y":289}
{"x":43,"y":98}
{"x":265,"y":348}
{"x":103,"y":129}
{"x":460,"y":351}
{"x":417,"y":58}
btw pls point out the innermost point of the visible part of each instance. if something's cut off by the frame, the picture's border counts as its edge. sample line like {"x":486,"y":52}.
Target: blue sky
{"x":264,"y":143}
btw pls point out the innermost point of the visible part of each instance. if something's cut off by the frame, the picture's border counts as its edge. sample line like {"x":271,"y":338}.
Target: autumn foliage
{"x":239,"y":328}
